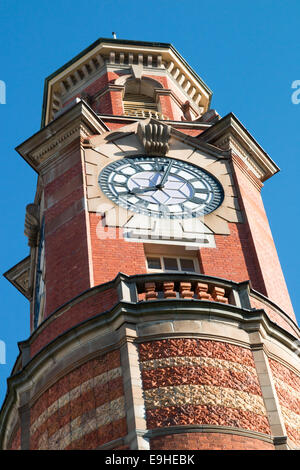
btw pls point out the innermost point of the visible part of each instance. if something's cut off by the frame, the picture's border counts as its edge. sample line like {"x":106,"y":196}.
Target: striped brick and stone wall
{"x":148,"y":382}
{"x":83,"y":410}
{"x":287,"y":384}
{"x":195,"y":382}
{"x":15,"y":443}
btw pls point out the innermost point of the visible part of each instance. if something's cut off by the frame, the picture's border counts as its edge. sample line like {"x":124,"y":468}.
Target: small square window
{"x":154,"y":263}
{"x":187,"y":265}
{"x":171,"y":264}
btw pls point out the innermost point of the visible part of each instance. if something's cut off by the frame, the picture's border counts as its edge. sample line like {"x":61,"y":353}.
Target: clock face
{"x":161,"y":187}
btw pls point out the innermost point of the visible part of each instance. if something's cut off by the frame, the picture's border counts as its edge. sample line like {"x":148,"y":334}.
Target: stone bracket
{"x":32,"y":224}
{"x":154,"y":137}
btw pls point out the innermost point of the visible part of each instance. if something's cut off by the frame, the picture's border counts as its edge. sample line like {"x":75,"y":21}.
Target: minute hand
{"x":164,"y":178}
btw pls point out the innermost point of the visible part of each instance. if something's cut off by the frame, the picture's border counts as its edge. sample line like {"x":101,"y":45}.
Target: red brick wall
{"x":100,"y":84}
{"x":263,"y":242}
{"x":104,"y":104}
{"x":113,"y":255}
{"x":191,"y":132}
{"x":166,"y":107}
{"x":65,"y":236}
{"x":112,"y":125}
{"x":233,"y":258}
{"x":82,"y":410}
{"x":86,"y":308}
{"x":208,"y":441}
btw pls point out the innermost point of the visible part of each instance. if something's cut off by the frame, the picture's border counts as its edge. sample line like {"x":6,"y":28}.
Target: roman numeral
{"x":202,"y":191}
{"x":197,"y":200}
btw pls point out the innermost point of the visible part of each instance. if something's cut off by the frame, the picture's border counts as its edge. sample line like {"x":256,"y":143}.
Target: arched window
{"x":140,"y":98}
{"x":139,"y":105}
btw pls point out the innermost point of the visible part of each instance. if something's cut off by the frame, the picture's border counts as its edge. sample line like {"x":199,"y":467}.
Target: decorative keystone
{"x":32,"y":224}
{"x":154,"y":137}
{"x":150,"y":291}
{"x":185,"y":290}
{"x":218,"y":295}
{"x":202,"y":291}
{"x":169,"y":292}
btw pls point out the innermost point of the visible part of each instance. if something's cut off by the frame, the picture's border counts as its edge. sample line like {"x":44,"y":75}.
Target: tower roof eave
{"x":230,"y":133}
{"x":103,"y":45}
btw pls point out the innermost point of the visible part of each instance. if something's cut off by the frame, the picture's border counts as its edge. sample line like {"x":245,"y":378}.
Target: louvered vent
{"x":141,"y":106}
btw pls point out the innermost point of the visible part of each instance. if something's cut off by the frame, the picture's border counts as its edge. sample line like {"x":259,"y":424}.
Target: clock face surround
{"x":161,"y":187}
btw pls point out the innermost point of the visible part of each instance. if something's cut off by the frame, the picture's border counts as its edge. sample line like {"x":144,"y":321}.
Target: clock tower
{"x":160,"y":317}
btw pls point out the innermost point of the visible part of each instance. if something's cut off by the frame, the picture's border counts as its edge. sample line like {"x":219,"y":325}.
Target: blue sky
{"x":247,"y":52}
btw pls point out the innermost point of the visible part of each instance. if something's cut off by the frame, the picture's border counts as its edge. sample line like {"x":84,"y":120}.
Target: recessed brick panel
{"x":287,"y":385}
{"x":193,"y":381}
{"x":208,"y":441}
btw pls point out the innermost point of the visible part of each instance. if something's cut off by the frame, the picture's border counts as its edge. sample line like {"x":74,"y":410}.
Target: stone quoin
{"x":159,"y":314}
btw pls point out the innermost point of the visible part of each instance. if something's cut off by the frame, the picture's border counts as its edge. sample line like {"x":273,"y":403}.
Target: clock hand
{"x":158,"y":186}
{"x":165,"y":176}
{"x":143,"y":190}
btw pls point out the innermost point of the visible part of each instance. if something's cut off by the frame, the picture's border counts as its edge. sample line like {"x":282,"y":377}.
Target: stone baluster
{"x":150,"y":291}
{"x":112,"y":57}
{"x":197,"y":98}
{"x":185,"y":290}
{"x":202,"y":291}
{"x":169,"y":292}
{"x":218,"y":295}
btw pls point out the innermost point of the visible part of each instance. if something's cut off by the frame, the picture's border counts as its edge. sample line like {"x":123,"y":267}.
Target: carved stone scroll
{"x":32,"y":224}
{"x":154,"y":137}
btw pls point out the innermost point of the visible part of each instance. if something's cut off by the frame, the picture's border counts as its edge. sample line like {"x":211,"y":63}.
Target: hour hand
{"x":142,"y":190}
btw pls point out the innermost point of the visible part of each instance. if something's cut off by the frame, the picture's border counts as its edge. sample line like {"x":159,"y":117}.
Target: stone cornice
{"x":262,"y":298}
{"x":188,"y":124}
{"x":76,"y":123}
{"x":19,"y":276}
{"x":122,"y":54}
{"x":207,"y":428}
{"x":229,"y":133}
{"x":236,"y":159}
